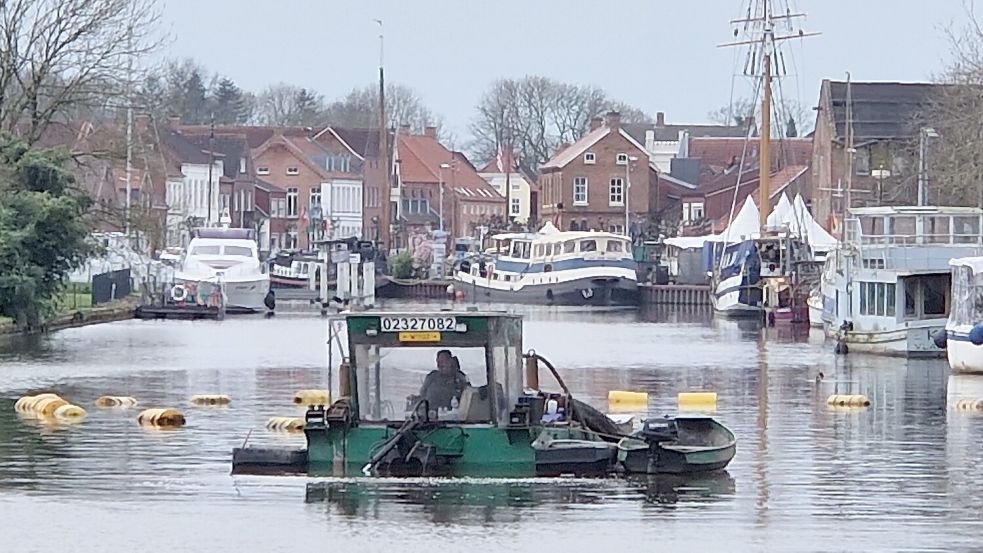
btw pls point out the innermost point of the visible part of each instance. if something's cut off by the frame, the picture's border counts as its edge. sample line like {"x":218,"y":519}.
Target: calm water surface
{"x":903,"y":475}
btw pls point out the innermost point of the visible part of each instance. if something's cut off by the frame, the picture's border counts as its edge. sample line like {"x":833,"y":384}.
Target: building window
{"x":293,"y":171}
{"x":315,"y":197}
{"x":516,"y":205}
{"x":580,"y":191}
{"x":249,"y":200}
{"x":692,"y":212}
{"x":621,"y":159}
{"x":242,"y":165}
{"x":616,"y":192}
{"x":861,"y":161}
{"x":225,"y":202}
{"x":291,"y":202}
{"x":262,"y":170}
{"x":590,"y":158}
{"x":291,"y":239}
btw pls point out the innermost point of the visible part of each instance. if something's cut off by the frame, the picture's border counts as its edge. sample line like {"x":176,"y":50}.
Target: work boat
{"x":964,"y":329}
{"x":886,"y":287}
{"x":557,"y":268}
{"x":490,"y":417}
{"x":226,"y":260}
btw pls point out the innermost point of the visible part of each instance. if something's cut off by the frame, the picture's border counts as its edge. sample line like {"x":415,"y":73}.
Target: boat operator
{"x":446,"y":383}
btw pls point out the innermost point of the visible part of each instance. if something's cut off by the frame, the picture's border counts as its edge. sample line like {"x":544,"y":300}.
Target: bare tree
{"x":60,"y":54}
{"x":954,"y":158}
{"x":536,"y":115}
{"x":786,"y":115}
{"x":360,"y":109}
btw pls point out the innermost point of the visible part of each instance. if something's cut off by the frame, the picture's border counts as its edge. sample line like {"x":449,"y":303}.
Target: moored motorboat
{"x":221,"y":266}
{"x":681,"y":445}
{"x":963,"y":335}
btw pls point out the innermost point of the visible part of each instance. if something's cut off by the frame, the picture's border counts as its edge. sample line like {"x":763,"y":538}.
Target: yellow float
{"x":968,"y":405}
{"x":211,"y":399}
{"x":696,"y":401}
{"x":161,"y":418}
{"x":312,"y":397}
{"x":116,"y":401}
{"x":848,"y":400}
{"x":285,"y":424}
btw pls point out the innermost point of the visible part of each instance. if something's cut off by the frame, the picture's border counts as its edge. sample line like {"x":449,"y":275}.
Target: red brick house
{"x":585,"y":185}
{"x":424,"y":167}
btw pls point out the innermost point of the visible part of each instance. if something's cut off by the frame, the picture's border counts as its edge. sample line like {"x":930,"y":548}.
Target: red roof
{"x":420,"y":158}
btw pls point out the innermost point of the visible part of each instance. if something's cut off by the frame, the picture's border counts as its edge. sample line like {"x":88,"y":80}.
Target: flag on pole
{"x":499,"y":162}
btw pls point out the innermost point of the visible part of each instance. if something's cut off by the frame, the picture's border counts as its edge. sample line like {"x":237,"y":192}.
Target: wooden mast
{"x":385,"y":225}
{"x":764,"y":151}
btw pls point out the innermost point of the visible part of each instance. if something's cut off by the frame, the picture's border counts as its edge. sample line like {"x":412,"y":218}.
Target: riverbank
{"x":114,"y":311}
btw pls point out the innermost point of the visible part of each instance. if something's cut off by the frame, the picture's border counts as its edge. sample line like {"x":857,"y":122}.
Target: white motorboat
{"x":226,"y":259}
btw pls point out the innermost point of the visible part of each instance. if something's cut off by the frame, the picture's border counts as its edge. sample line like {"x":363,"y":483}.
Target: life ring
{"x":179,"y":293}
{"x":587,"y":293}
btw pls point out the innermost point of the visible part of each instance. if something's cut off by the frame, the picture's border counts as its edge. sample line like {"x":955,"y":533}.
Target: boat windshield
{"x":205,"y":250}
{"x":237,"y":250}
{"x":967,"y":296}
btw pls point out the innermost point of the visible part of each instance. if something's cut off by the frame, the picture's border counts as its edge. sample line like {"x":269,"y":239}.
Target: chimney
{"x":174,"y":121}
{"x":431,"y":132}
{"x":141,"y":123}
{"x":660,"y":119}
{"x":595,"y":123}
{"x":404,"y":130}
{"x":613,"y":120}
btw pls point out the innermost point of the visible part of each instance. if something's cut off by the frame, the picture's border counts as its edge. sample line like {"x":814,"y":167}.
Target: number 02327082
{"x":405,"y":324}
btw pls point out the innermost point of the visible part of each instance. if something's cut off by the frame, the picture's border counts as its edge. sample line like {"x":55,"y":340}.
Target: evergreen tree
{"x":231,"y":105}
{"x":307,"y":108}
{"x":193,"y":100}
{"x":790,"y":130}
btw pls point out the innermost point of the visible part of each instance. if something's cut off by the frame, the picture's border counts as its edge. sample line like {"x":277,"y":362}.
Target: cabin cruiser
{"x":552,"y":268}
{"x":295,"y":270}
{"x":226,"y":257}
{"x":885,"y":289}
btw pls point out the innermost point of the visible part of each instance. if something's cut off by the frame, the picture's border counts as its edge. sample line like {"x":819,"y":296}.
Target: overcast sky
{"x":658,"y":55}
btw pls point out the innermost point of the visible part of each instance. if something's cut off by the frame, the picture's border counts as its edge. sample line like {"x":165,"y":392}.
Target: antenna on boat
{"x":759,"y":27}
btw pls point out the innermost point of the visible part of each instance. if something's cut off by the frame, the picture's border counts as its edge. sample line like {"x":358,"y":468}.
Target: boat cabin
{"x":537,"y":254}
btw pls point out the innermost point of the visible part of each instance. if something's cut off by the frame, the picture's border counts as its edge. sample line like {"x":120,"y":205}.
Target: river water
{"x":903,"y":475}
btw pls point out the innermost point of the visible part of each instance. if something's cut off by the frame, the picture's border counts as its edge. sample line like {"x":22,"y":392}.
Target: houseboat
{"x":886,"y":288}
{"x":964,"y":329}
{"x":557,"y":268}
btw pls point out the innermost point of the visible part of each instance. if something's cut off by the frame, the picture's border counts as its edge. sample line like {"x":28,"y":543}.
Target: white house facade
{"x":189,"y":198}
{"x":342,"y":205}
{"x":521,"y":191}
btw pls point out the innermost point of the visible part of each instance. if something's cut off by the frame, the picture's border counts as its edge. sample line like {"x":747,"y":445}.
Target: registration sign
{"x":419,"y":336}
{"x":410,"y":324}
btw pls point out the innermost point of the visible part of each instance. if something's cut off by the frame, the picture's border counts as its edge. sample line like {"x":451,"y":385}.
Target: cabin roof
{"x":559,"y":236}
{"x":916,"y":210}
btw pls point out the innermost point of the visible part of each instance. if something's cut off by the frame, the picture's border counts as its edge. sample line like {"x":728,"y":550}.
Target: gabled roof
{"x":720,"y":153}
{"x":780,"y":179}
{"x":299,"y":147}
{"x":227,"y":146}
{"x":562,"y":158}
{"x":363,"y":143}
{"x":881,"y":110}
{"x":420,"y":158}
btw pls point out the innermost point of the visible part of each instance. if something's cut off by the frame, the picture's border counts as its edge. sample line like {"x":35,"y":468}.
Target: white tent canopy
{"x":792,"y":214}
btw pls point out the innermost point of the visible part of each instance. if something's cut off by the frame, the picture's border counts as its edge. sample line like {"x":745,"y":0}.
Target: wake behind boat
{"x":223,"y":256}
{"x":553,"y":268}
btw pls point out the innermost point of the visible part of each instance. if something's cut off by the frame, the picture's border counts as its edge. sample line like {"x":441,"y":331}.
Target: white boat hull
{"x":727,"y":300}
{"x":911,"y":341}
{"x":245,"y":294}
{"x":964,"y":356}
{"x":815,"y":312}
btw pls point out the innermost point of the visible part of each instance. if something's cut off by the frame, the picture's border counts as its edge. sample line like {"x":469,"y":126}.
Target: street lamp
{"x":924,"y":135}
{"x":441,"y":212}
{"x":631,"y":159}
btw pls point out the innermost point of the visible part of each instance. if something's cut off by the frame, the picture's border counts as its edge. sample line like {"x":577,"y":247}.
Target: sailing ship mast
{"x":763,"y":48}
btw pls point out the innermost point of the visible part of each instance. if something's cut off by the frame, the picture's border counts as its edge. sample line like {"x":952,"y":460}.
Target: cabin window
{"x":872,"y":225}
{"x":205,"y":250}
{"x":937,"y":230}
{"x":966,"y":229}
{"x":877,"y":299}
{"x":890,"y":297}
{"x":933,"y":294}
{"x":237,"y":250}
{"x":588,"y":245}
{"x":902,"y":229}
{"x":569,"y":246}
{"x":557,"y":248}
{"x":615,"y":246}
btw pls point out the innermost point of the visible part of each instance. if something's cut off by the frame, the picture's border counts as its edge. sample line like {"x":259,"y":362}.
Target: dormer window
{"x":292,"y":171}
{"x":590,"y":158}
{"x":262,"y":170}
{"x":622,"y":159}
{"x":242,"y":165}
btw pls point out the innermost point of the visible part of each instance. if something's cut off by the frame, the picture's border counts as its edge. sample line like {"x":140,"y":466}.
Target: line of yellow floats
{"x":51,"y":407}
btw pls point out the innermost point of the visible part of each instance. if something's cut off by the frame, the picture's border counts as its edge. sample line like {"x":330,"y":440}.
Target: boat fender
{"x":179,"y":293}
{"x":587,"y":293}
{"x":939,"y":338}
{"x":976,"y":335}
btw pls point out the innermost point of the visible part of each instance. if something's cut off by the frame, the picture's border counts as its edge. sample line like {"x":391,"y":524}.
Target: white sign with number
{"x":404,"y":324}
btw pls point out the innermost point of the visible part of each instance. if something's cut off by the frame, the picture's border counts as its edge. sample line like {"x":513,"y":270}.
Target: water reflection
{"x":486,"y":501}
